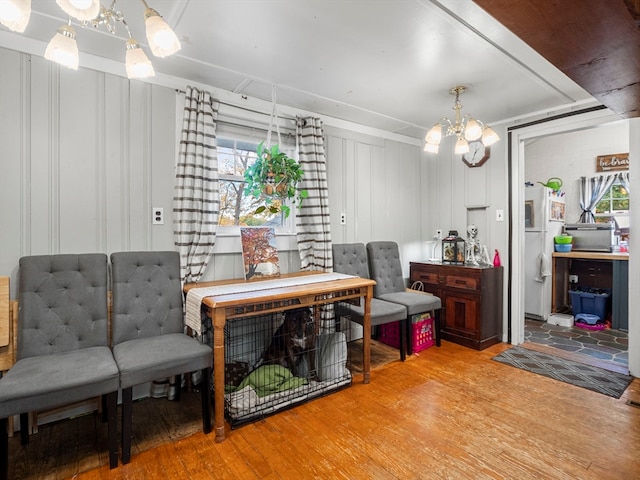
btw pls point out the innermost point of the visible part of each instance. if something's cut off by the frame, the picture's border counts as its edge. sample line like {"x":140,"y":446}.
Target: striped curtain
{"x":196,"y":202}
{"x":592,"y":189}
{"x":623,"y":178}
{"x":312,"y":218}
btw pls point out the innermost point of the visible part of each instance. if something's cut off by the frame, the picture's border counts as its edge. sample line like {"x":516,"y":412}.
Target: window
{"x":236,"y":208}
{"x":614,"y":204}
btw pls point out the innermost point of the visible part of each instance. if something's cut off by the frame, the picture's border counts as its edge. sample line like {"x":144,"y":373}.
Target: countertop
{"x":592,"y":255}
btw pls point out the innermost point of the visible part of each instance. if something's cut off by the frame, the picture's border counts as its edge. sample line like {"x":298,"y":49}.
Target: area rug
{"x":381,"y":355}
{"x":592,"y":378}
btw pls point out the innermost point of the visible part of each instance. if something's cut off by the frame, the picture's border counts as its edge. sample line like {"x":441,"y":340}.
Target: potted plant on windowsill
{"x":274,"y":177}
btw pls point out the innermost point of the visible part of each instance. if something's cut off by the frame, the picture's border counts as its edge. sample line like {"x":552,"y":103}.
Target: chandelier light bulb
{"x":472,"y":130}
{"x":489,"y":137}
{"x":434,"y":135}
{"x":461,"y":146}
{"x":162,"y":40}
{"x":63,"y":49}
{"x":431,"y":147}
{"x":15,"y":14}
{"x":137,"y":63}
{"x":83,"y":10}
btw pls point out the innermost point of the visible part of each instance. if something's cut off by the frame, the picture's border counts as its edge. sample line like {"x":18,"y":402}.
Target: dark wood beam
{"x":596,"y":43}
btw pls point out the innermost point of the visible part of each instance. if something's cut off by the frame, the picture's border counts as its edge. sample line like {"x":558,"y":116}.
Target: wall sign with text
{"x":614,"y":162}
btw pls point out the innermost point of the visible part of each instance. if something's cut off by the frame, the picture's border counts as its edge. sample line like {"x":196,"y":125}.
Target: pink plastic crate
{"x":422,"y":333}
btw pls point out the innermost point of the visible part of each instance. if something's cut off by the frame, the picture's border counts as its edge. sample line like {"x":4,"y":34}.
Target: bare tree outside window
{"x":236,"y":208}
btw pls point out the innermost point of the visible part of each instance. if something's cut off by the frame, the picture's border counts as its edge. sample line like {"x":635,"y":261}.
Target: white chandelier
{"x":466,"y":128}
{"x":63,"y":49}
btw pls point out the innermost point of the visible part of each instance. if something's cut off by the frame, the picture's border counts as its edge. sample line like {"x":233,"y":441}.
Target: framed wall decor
{"x":612,"y":162}
{"x":556,"y":213}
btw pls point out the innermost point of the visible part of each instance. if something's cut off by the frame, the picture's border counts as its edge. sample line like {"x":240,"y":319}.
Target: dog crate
{"x":422,"y":336}
{"x":269,"y":368}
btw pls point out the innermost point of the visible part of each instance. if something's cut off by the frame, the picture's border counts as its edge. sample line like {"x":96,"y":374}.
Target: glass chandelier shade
{"x":83,"y":10}
{"x":137,"y":63}
{"x":466,"y":128}
{"x":15,"y":14}
{"x":162,"y":40}
{"x":63,"y":49}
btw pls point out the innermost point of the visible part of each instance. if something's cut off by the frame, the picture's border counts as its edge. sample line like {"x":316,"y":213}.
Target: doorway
{"x":578,"y":121}
{"x":566,"y":157}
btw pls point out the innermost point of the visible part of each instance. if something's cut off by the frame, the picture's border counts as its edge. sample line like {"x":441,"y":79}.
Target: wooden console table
{"x":471,"y":301}
{"x":247,"y":302}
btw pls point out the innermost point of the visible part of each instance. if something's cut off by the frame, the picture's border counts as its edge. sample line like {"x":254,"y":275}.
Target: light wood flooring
{"x":448,"y":412}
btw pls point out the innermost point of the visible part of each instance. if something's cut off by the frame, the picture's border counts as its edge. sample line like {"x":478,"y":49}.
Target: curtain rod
{"x":288,"y":117}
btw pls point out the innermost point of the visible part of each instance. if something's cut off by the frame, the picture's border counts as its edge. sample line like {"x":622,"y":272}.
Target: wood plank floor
{"x":449,"y":412}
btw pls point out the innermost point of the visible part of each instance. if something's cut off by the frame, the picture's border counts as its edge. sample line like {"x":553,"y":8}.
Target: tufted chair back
{"x":147,"y":295}
{"x":385,"y":267}
{"x":350,"y":259}
{"x":62,"y":303}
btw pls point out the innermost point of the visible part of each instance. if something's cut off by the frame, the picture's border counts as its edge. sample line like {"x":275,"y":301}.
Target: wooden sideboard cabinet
{"x":471,"y":301}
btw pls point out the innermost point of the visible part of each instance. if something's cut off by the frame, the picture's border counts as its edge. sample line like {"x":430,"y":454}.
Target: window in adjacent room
{"x":615,"y":201}
{"x":614,"y":207}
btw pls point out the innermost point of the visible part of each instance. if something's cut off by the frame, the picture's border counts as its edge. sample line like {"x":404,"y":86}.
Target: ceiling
{"x":388,"y":64}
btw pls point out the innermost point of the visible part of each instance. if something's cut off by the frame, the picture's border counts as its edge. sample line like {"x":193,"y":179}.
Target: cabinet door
{"x":462,"y":315}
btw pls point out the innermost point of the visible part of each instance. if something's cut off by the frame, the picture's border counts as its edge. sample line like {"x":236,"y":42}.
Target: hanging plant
{"x":274,"y":177}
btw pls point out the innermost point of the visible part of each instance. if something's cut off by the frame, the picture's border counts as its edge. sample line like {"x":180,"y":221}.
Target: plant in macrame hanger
{"x":274,"y":175}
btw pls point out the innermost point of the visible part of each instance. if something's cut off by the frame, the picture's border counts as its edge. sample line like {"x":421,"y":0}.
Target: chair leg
{"x":127,"y":414}
{"x":4,"y":449}
{"x":24,"y":428}
{"x":110,"y":402}
{"x":205,"y":391}
{"x":403,"y":339}
{"x":178,"y":387}
{"x":105,"y":406}
{"x":408,"y":333}
{"x":436,"y":326}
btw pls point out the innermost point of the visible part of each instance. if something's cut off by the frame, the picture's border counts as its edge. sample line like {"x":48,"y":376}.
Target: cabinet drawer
{"x":425,"y":277}
{"x":468,"y":283}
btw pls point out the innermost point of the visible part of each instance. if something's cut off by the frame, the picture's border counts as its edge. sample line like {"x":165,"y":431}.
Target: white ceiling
{"x":388,"y":64}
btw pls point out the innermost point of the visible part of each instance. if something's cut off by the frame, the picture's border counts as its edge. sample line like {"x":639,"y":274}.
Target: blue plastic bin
{"x":590,"y":303}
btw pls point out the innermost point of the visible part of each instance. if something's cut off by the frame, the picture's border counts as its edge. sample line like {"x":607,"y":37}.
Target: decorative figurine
{"x":496,"y":259}
{"x":473,"y":249}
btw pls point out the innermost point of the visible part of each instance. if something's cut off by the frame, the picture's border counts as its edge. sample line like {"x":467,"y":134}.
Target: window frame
{"x":612,"y":212}
{"x":287,"y":227}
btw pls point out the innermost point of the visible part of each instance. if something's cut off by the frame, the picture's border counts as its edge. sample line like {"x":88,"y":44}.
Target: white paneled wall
{"x":376,"y":183}
{"x":86,"y":155}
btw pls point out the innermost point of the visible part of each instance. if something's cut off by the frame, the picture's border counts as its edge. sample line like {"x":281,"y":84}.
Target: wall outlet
{"x":157,"y":216}
{"x":343,"y":219}
{"x":438,"y":235}
{"x":573,"y":278}
{"x":499,"y":215}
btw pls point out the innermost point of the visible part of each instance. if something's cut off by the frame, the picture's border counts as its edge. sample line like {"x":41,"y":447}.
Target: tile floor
{"x":604,"y":345}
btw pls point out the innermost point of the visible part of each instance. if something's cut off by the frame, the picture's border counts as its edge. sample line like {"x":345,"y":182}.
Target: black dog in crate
{"x":294,"y":339}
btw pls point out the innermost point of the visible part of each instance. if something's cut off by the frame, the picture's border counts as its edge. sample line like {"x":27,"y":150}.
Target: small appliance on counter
{"x":591,"y":237}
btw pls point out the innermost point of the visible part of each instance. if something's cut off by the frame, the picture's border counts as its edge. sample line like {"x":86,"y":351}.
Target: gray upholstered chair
{"x":386,"y":270}
{"x":149,"y":342}
{"x":63,"y":353}
{"x":351,"y":258}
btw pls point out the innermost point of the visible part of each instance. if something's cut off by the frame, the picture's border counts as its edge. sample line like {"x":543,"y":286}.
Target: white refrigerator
{"x":544,"y":219}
